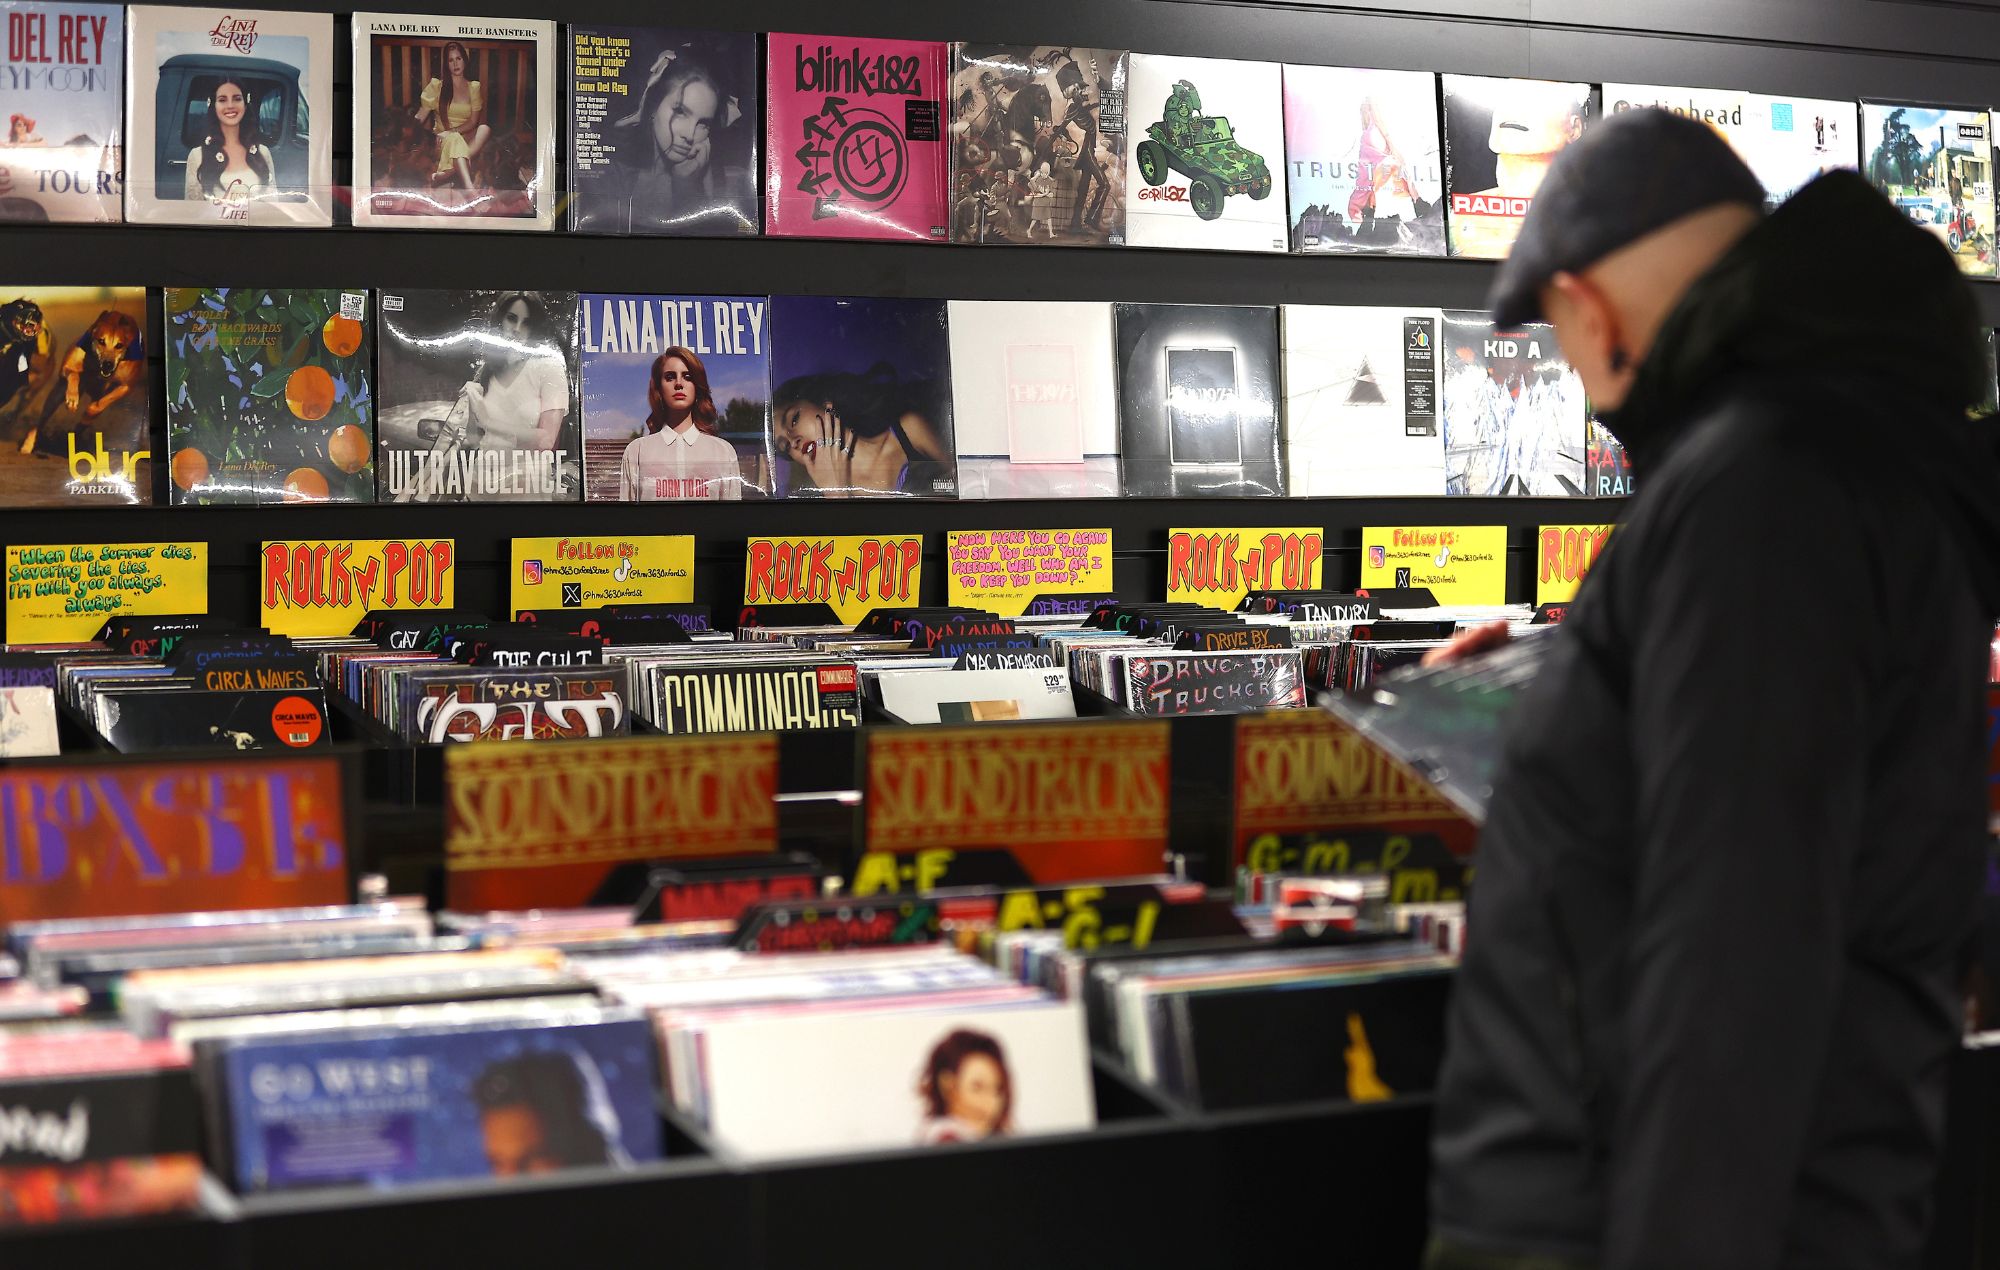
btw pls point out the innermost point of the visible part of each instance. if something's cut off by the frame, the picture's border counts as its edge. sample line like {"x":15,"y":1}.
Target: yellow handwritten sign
{"x":1461,"y":564}
{"x":553,"y":573}
{"x":850,"y":573}
{"x":1563,"y":555}
{"x":1219,"y":566}
{"x":1004,"y":569}
{"x":313,"y":586}
{"x":64,"y":593}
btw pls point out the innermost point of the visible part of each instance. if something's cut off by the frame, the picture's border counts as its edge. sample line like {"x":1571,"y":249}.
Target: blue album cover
{"x":663,"y":136}
{"x":676,"y":397}
{"x":861,"y":398}
{"x":385,"y":1107}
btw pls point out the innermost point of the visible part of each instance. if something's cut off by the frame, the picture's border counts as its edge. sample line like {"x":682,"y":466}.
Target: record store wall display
{"x":676,"y":397}
{"x":1500,"y":136}
{"x":1364,"y":166}
{"x":861,"y":398}
{"x":477,"y":394}
{"x":1937,"y":166}
{"x":1786,"y":141}
{"x":663,"y":131}
{"x":75,"y":422}
{"x":1198,"y":400}
{"x":454,"y":122}
{"x":229,"y":116}
{"x":1207,"y":141}
{"x":855,"y":141}
{"x":1035,"y":399}
{"x":62,"y":70}
{"x":1513,"y":411}
{"x":1361,"y":402}
{"x":1038,"y":144}
{"x":268,"y":396}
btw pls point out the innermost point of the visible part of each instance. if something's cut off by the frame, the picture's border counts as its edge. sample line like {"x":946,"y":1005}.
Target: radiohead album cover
{"x":1513,"y":411}
{"x":1500,"y":136}
{"x":1786,"y":141}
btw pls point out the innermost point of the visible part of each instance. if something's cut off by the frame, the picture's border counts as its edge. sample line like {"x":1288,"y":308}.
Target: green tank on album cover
{"x":1202,"y":148}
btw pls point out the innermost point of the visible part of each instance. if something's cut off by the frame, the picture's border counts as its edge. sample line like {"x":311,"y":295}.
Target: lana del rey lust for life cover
{"x":454,"y":122}
{"x":229,"y":117}
{"x":663,"y":131}
{"x":61,"y":69}
{"x":855,"y":138}
{"x":477,"y":396}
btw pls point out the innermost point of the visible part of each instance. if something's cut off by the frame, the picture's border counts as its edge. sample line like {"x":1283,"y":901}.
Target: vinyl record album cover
{"x":1034,"y":399}
{"x":1364,"y":162}
{"x":28,"y":722}
{"x":1207,"y":140}
{"x":1038,"y":144}
{"x":1937,"y":166}
{"x":1786,"y":141}
{"x":74,"y":384}
{"x":1361,"y":401}
{"x":386,"y":1105}
{"x":1608,"y":468}
{"x":854,"y":138}
{"x":1513,"y":411}
{"x":1198,"y":400}
{"x":454,"y":122}
{"x":254,"y":719}
{"x":477,"y":393}
{"x":229,"y":113}
{"x":861,"y":398}
{"x":676,"y":397}
{"x":268,"y":397}
{"x":1500,"y":136}
{"x":663,"y":131}
{"x":62,"y":115}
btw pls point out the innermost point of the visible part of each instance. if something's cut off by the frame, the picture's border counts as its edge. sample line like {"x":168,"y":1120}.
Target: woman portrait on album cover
{"x":669,"y":145}
{"x":967,"y":1091}
{"x":845,"y":434}
{"x":680,"y":456}
{"x":232,"y":164}
{"x":518,"y":397}
{"x":21,"y":132}
{"x":453,"y":107}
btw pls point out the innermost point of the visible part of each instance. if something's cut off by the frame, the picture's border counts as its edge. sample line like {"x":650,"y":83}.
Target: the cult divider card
{"x":1218,"y":567}
{"x":1461,"y":564}
{"x":312,"y":586}
{"x":1017,"y":571}
{"x":570,"y":573}
{"x":1563,"y":555}
{"x":64,"y":592}
{"x":850,"y":574}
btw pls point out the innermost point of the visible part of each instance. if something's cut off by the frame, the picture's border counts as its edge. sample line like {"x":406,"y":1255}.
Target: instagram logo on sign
{"x":1378,"y":557}
{"x":531,"y":573}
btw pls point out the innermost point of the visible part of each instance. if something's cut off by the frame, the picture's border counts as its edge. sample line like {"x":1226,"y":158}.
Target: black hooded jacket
{"x":1731,"y":865}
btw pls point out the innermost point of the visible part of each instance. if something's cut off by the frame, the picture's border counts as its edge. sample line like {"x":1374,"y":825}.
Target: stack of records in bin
{"x":687,"y":688}
{"x":924,"y":1045}
{"x":1178,"y":658}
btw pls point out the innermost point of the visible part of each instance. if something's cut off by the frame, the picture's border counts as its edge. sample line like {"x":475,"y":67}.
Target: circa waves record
{"x":1500,"y":136}
{"x":1365,"y":171}
{"x":663,"y":131}
{"x":230,"y":115}
{"x":74,"y":389}
{"x":676,"y":397}
{"x":454,"y":122}
{"x":1038,"y":144}
{"x":477,"y":396}
{"x":61,"y":149}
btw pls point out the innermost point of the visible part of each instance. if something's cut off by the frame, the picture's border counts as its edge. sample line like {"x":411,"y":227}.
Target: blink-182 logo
{"x":856,"y":153}
{"x":239,"y":35}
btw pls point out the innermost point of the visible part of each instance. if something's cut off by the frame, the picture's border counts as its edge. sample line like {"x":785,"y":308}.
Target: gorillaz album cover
{"x":454,"y":122}
{"x":1513,"y":411}
{"x":1034,"y":399}
{"x":268,"y":397}
{"x":1361,"y":401}
{"x":1207,"y":143}
{"x":1198,"y":400}
{"x":62,"y":74}
{"x":477,"y":396}
{"x":1365,"y":165}
{"x":1038,"y":144}
{"x":663,"y":131}
{"x":74,"y":423}
{"x":1937,"y":167}
{"x":854,"y":138}
{"x":1786,"y":141}
{"x":1500,"y":136}
{"x":861,"y":398}
{"x":676,"y":397}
